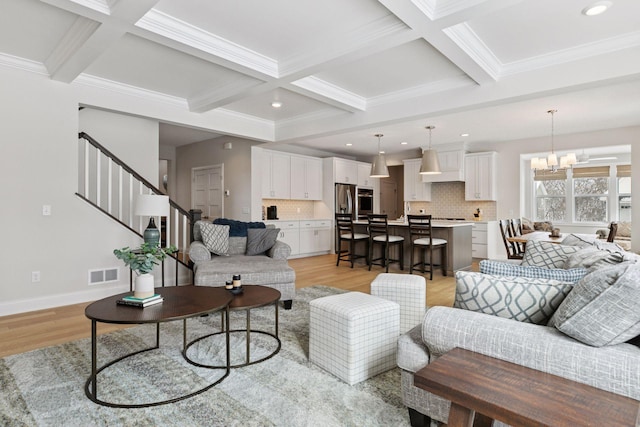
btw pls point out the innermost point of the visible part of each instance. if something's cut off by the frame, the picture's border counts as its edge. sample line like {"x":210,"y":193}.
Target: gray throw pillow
{"x":215,"y":237}
{"x":518,"y":298}
{"x":603,"y":308}
{"x":592,"y":258}
{"x":260,"y":240}
{"x":545,"y":254}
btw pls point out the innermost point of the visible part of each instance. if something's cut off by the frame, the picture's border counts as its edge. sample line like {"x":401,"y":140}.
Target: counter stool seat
{"x":391,"y":239}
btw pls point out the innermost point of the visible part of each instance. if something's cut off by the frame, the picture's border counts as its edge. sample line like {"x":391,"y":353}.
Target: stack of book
{"x":132,"y":301}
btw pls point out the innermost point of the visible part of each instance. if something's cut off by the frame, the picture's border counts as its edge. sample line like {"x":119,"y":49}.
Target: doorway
{"x":206,"y":190}
{"x":388,"y":198}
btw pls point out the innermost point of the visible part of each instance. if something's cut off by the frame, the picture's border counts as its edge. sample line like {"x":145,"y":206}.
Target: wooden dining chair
{"x":506,"y":229}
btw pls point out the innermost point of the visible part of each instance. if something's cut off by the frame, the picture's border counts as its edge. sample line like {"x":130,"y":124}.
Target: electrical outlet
{"x":35,"y":276}
{"x":46,"y":210}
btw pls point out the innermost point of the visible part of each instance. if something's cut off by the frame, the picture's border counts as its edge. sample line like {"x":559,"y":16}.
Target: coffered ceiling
{"x":345,"y":70}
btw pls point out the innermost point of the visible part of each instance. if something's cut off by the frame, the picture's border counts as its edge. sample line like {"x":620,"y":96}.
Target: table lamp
{"x":152,"y":205}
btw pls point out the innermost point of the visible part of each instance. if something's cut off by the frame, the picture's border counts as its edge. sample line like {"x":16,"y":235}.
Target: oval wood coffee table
{"x":253,"y":296}
{"x":180,"y":303}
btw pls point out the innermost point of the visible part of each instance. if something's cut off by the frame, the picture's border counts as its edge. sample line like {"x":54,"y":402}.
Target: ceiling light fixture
{"x":379,"y":167}
{"x":348,"y":144}
{"x":464,"y":134}
{"x":597,"y":8}
{"x":430,"y":164}
{"x":404,"y":143}
{"x":276,"y":104}
{"x":550,"y":164}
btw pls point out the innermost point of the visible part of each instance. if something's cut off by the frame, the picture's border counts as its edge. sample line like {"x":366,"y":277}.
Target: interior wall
{"x":237,"y":172}
{"x":39,"y":166}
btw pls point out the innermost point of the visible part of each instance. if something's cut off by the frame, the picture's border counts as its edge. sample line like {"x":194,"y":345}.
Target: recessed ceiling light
{"x":464,"y":134}
{"x":404,"y":143}
{"x":276,"y":104}
{"x":597,"y":8}
{"x":348,"y":144}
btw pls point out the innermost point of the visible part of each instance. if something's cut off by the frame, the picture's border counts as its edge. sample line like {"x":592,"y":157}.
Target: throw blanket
{"x":238,"y":228}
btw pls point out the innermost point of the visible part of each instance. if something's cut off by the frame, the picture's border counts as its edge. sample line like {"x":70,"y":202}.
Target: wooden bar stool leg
{"x":443,"y":260}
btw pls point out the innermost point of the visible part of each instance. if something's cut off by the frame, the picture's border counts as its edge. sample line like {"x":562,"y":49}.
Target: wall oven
{"x":365,"y":203}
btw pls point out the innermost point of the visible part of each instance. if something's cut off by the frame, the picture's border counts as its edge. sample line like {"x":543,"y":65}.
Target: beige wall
{"x":237,"y":172}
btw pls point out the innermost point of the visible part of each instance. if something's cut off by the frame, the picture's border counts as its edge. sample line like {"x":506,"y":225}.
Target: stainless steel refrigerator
{"x":346,"y":199}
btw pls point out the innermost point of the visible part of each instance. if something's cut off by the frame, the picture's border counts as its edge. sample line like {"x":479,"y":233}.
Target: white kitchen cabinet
{"x":415,"y":190}
{"x":451,"y":164}
{"x":276,"y":179}
{"x":346,"y":171}
{"x":306,"y":178}
{"x":364,"y":178}
{"x":289,"y":234}
{"x":480,"y":176}
{"x":484,"y":240}
{"x":315,"y":236}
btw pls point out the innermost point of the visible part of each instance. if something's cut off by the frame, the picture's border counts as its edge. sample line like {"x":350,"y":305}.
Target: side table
{"x":486,"y":388}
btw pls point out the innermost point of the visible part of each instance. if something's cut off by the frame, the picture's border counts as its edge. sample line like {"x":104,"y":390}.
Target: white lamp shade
{"x":379,"y":167}
{"x":552,"y":160}
{"x":152,"y":205}
{"x":535,"y":163}
{"x":430,"y":164}
{"x":571,"y":159}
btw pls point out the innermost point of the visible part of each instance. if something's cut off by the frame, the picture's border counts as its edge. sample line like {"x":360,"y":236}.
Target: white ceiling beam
{"x":90,"y":37}
{"x":328,"y":93}
{"x":218,"y":97}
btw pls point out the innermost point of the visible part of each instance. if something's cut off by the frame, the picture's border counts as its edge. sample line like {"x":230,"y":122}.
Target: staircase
{"x":111,"y":186}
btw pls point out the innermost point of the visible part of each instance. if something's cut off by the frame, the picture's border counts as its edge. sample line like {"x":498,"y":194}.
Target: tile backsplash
{"x":447,"y":201}
{"x":288,"y":209}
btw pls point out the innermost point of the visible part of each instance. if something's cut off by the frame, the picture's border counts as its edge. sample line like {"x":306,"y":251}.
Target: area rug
{"x":46,"y":387}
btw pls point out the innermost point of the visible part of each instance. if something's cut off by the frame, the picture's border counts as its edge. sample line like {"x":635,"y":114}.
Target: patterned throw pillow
{"x":603,"y":308}
{"x":498,"y":268}
{"x":593,"y":258}
{"x":215,"y":237}
{"x":545,"y":254}
{"x":260,"y":240}
{"x":518,"y":298}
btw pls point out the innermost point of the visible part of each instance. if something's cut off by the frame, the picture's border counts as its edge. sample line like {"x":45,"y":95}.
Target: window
{"x":590,"y":194}
{"x":551,"y":192}
{"x":583,"y":194}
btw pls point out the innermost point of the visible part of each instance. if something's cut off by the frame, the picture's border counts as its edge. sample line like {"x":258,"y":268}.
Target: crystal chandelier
{"x":551,"y":164}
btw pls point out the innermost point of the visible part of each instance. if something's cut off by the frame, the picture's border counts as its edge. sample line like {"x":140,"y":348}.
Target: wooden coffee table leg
{"x":459,"y":416}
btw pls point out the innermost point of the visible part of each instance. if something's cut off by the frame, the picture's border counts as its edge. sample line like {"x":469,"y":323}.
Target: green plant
{"x":143,"y":259}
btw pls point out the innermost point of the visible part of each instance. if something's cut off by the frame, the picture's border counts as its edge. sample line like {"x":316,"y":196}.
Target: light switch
{"x":46,"y":210}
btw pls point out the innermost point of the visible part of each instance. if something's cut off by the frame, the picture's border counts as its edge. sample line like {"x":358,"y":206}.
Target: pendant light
{"x":430,"y":164}
{"x":551,"y":164}
{"x":379,"y":167}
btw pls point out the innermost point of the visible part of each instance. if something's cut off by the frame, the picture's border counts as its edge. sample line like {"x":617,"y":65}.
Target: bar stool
{"x":379,"y":234}
{"x":346,"y":233}
{"x":421,"y":235}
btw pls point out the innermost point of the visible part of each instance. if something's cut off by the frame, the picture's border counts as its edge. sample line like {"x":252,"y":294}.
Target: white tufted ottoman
{"x":353,"y":335}
{"x":407,"y":290}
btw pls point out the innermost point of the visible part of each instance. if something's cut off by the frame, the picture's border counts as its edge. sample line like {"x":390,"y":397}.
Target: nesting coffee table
{"x":253,"y":296}
{"x":180,"y":303}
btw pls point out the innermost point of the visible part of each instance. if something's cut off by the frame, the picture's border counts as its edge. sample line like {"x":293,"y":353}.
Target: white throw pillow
{"x":215,"y":237}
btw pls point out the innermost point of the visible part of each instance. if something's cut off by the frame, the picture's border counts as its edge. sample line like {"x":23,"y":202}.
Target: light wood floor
{"x":43,"y":328}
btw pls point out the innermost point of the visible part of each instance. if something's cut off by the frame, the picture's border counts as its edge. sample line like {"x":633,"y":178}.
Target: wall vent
{"x":104,"y":275}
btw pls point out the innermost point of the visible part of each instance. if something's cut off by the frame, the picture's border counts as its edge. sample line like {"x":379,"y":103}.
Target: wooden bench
{"x":482,"y":388}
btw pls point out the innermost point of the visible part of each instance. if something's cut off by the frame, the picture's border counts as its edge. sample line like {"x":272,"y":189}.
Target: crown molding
{"x":467,"y":40}
{"x":234,"y":115}
{"x":71,"y":42}
{"x":102,"y":6}
{"x":316,"y":115}
{"x":168,"y":26}
{"x":422,"y":90}
{"x":613,"y":44}
{"x":23,"y":64}
{"x":219,"y":96}
{"x":128,"y":90}
{"x":331,"y":91}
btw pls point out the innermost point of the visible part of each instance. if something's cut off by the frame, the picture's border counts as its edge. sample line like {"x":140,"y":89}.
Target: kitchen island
{"x":456,"y":233}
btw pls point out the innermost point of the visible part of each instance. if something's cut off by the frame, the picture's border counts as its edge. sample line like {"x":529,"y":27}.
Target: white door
{"x":207,"y":185}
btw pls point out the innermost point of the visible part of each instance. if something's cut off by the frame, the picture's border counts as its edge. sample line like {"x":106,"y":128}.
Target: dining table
{"x":545,"y":236}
